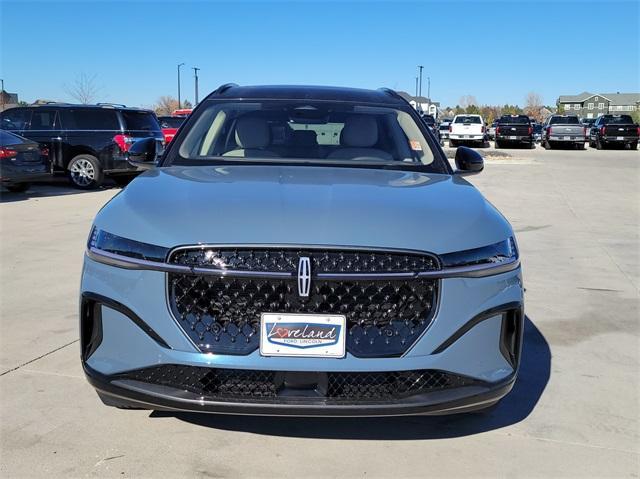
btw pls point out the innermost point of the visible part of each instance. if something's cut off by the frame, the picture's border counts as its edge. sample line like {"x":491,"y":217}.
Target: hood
{"x":303,"y":205}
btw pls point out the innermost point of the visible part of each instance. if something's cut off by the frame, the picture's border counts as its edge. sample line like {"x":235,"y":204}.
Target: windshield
{"x":304,"y":131}
{"x":564,"y":120}
{"x":467,"y":119}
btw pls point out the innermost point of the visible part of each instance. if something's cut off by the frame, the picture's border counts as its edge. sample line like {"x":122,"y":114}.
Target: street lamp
{"x":179,"y":102}
{"x":2,"y":93}
{"x":420,"y":67}
{"x":195,"y":73}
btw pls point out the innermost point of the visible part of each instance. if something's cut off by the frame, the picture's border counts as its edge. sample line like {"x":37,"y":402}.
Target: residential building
{"x":593,"y":105}
{"x":422,"y":104}
{"x":8,"y":100}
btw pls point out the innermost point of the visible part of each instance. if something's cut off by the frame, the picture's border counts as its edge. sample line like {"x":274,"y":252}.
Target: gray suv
{"x":301,"y":251}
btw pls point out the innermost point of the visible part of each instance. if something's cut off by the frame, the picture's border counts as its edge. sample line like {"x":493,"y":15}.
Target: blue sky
{"x":496,"y":51}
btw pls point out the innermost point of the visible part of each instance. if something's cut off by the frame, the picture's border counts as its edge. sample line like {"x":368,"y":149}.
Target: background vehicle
{"x":85,"y":141}
{"x":443,"y":128}
{"x":182,"y":112}
{"x":467,"y":129}
{"x":21,"y":161}
{"x":514,"y":129}
{"x":537,"y":132}
{"x":614,"y":130}
{"x":563,"y":129}
{"x":170,"y":125}
{"x":491,"y":131}
{"x":588,"y":123}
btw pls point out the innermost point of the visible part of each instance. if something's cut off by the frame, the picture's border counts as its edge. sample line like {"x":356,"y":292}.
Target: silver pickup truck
{"x":563,"y":130}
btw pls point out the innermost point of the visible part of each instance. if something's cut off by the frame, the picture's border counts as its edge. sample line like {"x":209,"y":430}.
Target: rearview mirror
{"x":143,"y":153}
{"x":468,"y":161}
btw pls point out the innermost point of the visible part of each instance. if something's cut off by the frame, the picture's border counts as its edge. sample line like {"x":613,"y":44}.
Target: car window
{"x":140,"y":120}
{"x":468,"y":119}
{"x":88,"y":119}
{"x":302,"y":129}
{"x":618,"y":120}
{"x":43,"y":119}
{"x":171,"y":121}
{"x":564,"y":120}
{"x":15,"y":119}
{"x":514,"y":119}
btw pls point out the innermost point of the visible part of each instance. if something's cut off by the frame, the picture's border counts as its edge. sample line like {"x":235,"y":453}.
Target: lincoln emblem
{"x":304,"y":276}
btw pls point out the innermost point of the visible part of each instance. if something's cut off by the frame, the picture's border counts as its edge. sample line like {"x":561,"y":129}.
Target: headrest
{"x":252,"y":132}
{"x":360,"y":131}
{"x":305,"y":138}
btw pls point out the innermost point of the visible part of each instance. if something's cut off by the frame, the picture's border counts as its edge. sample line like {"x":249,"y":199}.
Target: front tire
{"x":18,"y":187}
{"x":453,"y":143}
{"x":633,"y":145}
{"x":85,"y":172}
{"x":599,"y":145}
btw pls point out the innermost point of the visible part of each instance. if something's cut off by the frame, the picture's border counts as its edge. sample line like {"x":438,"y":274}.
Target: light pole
{"x":195,"y":73}
{"x":429,"y":88}
{"x":416,"y":92}
{"x":179,"y":102}
{"x":2,"y":93}
{"x":420,"y":67}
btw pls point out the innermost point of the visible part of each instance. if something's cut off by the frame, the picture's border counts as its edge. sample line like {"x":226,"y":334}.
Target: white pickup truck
{"x":467,"y":129}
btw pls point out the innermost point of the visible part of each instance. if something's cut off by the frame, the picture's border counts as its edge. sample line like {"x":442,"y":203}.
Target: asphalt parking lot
{"x":574,"y":411}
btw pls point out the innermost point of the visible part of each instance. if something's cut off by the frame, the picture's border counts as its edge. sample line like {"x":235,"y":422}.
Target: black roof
{"x":297,"y":92}
{"x":108,"y":106}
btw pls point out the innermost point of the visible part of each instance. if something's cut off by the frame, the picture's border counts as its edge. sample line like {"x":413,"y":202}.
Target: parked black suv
{"x":85,"y":141}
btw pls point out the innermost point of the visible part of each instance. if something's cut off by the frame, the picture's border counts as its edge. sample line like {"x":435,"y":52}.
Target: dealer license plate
{"x":309,"y":335}
{"x":512,"y":137}
{"x":567,"y":137}
{"x":619,"y":137}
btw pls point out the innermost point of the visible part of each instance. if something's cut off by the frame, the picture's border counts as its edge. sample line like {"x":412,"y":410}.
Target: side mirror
{"x":468,"y":161}
{"x":143,"y":153}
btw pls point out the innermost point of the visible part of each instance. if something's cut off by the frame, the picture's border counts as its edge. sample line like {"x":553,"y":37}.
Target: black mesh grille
{"x":286,"y":260}
{"x":248,"y":385}
{"x":222,"y":314}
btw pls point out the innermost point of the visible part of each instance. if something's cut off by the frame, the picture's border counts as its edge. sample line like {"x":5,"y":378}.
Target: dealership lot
{"x":574,"y":410}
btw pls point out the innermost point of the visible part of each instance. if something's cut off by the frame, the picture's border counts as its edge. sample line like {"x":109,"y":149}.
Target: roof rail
{"x":111,"y":104}
{"x":50,"y":103}
{"x":223,"y":88}
{"x":391,"y":92}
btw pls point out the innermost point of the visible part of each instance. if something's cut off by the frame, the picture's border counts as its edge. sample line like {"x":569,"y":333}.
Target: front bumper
{"x":135,"y":331}
{"x":134,"y":394}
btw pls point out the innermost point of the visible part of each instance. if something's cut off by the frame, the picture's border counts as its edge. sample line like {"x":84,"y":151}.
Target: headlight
{"x":496,"y":254}
{"x":110,"y":243}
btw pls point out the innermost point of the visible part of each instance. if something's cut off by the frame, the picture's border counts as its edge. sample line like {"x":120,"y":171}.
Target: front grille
{"x":222,"y":314}
{"x":277,"y":386}
{"x":286,"y":260}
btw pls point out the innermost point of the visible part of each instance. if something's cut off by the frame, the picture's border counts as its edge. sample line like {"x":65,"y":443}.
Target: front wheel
{"x":599,"y":145}
{"x":453,"y":143}
{"x":18,"y":187}
{"x":547,"y":145}
{"x":633,"y":145}
{"x":85,"y":172}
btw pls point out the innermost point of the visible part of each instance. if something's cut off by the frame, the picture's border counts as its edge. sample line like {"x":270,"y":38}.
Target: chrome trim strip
{"x":473,"y":271}
{"x":127,"y":262}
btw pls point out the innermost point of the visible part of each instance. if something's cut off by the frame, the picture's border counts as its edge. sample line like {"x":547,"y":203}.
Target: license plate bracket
{"x":303,"y":335}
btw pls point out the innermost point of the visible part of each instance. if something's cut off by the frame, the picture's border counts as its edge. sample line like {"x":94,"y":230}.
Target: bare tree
{"x":533,"y":105}
{"x":84,"y":89}
{"x":165,"y":105}
{"x":468,"y":100}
